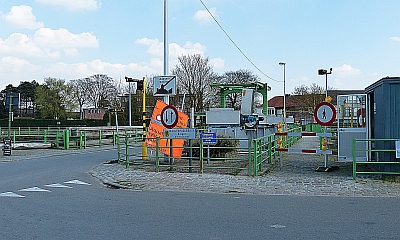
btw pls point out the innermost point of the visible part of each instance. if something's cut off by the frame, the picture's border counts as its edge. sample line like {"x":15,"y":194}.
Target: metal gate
{"x":352,"y":123}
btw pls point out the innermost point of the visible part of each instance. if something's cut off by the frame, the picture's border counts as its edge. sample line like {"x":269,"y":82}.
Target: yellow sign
{"x":328,"y":99}
{"x":156,"y":129}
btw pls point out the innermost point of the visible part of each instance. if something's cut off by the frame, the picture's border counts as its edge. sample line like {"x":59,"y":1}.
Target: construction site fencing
{"x":376,"y":163}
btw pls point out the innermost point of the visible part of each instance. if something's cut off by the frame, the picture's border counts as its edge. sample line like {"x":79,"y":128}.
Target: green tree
{"x":52,"y":98}
{"x":27,"y":94}
{"x":9,"y":89}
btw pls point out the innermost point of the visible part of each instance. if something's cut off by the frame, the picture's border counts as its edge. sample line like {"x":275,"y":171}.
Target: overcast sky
{"x":70,"y":39}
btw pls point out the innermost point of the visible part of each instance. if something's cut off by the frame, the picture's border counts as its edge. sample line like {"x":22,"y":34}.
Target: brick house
{"x":94,"y":113}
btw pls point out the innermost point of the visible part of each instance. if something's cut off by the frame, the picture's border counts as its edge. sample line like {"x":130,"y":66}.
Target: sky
{"x":72,"y":39}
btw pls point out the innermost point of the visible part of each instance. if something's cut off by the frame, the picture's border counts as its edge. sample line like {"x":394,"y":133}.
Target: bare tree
{"x":316,"y":89}
{"x":194,"y":76}
{"x":79,"y":92}
{"x":301,"y":90}
{"x":233,"y":100}
{"x":102,"y":91}
{"x":310,"y":96}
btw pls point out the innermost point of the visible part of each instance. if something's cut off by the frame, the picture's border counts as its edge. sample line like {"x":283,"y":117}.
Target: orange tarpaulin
{"x":156,"y":129}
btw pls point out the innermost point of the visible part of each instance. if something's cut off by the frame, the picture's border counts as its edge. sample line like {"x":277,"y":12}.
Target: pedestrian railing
{"x":69,"y":138}
{"x":265,"y":148}
{"x":378,"y":164}
{"x":226,"y":155}
{"x":192,"y":156}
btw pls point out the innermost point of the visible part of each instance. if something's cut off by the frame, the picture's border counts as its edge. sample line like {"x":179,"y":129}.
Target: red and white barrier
{"x":303,"y":134}
{"x":296,"y":150}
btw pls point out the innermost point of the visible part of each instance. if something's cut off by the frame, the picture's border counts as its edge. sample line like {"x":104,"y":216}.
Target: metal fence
{"x":69,"y":138}
{"x":226,"y":156}
{"x":376,"y":163}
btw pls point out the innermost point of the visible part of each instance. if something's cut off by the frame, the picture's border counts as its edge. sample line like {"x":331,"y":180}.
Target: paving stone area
{"x":293,"y":174}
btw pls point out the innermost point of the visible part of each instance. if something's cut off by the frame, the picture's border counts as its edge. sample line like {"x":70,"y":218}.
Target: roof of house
{"x":291,"y":101}
{"x":299,"y":100}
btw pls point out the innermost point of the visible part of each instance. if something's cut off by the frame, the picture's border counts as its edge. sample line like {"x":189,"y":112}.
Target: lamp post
{"x":325,"y":72}
{"x":284,"y":96}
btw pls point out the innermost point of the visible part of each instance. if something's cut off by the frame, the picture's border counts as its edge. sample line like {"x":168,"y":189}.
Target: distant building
{"x":301,"y":107}
{"x":94,"y":113}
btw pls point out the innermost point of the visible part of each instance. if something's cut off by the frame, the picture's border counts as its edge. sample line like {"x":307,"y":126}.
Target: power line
{"x":233,"y":42}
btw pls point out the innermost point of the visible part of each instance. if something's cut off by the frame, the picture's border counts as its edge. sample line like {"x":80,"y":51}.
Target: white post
{"x":166,"y":98}
{"x":284,"y":96}
{"x":130,"y":106}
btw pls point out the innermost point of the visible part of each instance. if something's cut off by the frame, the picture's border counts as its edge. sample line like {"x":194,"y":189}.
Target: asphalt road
{"x":83,"y":211}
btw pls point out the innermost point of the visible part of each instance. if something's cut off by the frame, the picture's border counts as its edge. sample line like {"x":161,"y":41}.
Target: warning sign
{"x":156,"y":129}
{"x":164,"y":85}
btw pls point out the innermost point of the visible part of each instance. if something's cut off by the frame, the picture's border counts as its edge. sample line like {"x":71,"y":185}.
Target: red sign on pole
{"x":169,"y":116}
{"x":325,"y":114}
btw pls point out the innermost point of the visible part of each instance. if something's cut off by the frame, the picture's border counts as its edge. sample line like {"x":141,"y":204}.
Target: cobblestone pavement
{"x":293,"y":174}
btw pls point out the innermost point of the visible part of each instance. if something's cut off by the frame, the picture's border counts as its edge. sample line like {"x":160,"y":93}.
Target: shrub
{"x":223,"y":146}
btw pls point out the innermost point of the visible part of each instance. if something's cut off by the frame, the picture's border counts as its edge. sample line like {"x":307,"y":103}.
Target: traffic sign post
{"x":169,"y":119}
{"x":180,"y":133}
{"x":164,"y":85}
{"x":209,"y":138}
{"x":169,"y":116}
{"x":325,"y":115}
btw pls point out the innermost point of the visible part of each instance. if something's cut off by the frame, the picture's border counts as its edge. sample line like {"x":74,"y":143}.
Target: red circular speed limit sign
{"x":169,"y":116}
{"x":325,"y":114}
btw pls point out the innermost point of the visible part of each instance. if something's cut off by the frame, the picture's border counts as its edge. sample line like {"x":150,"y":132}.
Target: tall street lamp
{"x":284,"y":96}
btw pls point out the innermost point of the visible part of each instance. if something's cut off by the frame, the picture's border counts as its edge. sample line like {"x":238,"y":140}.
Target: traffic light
{"x":139,"y":85}
{"x":322,"y":71}
{"x":129,"y":79}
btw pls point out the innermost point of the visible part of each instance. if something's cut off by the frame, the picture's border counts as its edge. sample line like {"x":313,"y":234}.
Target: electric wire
{"x":233,"y":42}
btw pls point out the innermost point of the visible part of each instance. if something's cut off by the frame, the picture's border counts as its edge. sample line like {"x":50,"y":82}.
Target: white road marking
{"x":277,"y":226}
{"x":57,"y":185}
{"x":34,"y":189}
{"x":10,"y":194}
{"x":78,"y":182}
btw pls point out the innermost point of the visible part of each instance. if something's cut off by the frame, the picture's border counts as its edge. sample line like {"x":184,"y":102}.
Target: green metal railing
{"x":265,"y":148}
{"x":355,"y":163}
{"x":71,"y":138}
{"x":203,"y":157}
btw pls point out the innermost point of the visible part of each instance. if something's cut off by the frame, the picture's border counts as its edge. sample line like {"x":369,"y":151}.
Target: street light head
{"x":322,"y":71}
{"x":282,"y":63}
